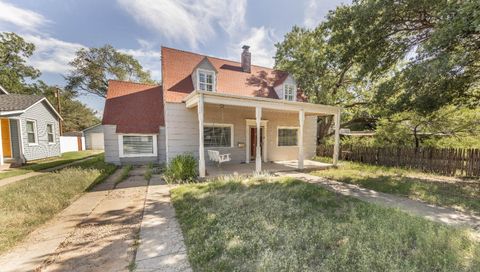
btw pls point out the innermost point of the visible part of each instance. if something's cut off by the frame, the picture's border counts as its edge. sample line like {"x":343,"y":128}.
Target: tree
{"x":76,"y":115}
{"x":93,"y":67}
{"x":380,"y":58}
{"x":14,"y":52}
{"x":414,"y":129}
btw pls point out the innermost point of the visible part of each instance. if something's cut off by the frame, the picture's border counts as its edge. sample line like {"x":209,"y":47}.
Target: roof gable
{"x":177,"y":67}
{"x":134,"y":107}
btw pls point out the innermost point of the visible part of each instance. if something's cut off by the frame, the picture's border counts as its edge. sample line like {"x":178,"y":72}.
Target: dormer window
{"x":289,"y":92}
{"x":206,"y":80}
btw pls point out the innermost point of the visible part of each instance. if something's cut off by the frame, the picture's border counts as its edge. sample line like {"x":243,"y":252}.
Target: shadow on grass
{"x":291,"y":225}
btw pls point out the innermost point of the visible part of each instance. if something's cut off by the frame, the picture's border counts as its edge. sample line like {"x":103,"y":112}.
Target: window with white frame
{"x":216,"y":135}
{"x":50,"y":134}
{"x":138,"y":145}
{"x":287,"y":136}
{"x":206,"y":80}
{"x":289,"y":92}
{"x":31,"y":132}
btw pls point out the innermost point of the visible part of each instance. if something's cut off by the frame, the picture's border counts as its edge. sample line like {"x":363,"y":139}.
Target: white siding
{"x":112,"y":154}
{"x":182,"y":131}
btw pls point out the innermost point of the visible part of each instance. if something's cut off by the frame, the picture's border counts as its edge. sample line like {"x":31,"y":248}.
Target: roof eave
{"x":237,"y":100}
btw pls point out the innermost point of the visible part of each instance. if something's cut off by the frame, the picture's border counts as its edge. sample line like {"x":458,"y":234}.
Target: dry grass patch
{"x":26,"y":204}
{"x":288,"y":225}
{"x":443,"y":191}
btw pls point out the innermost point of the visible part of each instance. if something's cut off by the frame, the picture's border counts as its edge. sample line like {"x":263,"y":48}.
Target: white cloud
{"x":188,"y":21}
{"x":315,"y":11}
{"x":21,"y":18}
{"x":262,"y":46}
{"x":52,"y":55}
{"x":149,"y":57}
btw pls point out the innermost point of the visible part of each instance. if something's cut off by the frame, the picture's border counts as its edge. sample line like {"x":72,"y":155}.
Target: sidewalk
{"x":434,"y":213}
{"x":161,"y":241}
{"x":41,"y":243}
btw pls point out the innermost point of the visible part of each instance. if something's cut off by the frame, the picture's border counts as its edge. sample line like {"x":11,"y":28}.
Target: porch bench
{"x":215,"y":156}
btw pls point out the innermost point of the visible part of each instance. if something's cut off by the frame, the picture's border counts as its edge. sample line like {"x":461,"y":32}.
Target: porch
{"x":213,"y":171}
{"x":257,"y":130}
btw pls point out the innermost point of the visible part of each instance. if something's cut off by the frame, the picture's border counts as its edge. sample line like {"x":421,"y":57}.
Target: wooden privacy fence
{"x":444,"y":161}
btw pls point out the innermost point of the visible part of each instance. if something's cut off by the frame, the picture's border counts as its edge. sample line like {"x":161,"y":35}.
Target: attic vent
{"x":246,"y":59}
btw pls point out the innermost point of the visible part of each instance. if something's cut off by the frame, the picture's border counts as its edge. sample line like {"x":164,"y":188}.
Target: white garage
{"x":94,"y":137}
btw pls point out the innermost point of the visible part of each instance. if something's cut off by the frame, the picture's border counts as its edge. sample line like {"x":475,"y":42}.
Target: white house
{"x":255,"y":114}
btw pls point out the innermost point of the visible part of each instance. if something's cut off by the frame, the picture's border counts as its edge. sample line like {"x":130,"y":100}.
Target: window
{"x":31,"y":132}
{"x":206,"y":80}
{"x":289,"y":92}
{"x":50,"y":135}
{"x":217,"y":135}
{"x":287,"y":136}
{"x":138,"y":145}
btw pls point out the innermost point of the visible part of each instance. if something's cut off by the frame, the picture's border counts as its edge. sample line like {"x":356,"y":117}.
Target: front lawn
{"x":443,"y":191}
{"x":288,"y":225}
{"x":43,"y":164}
{"x":28,"y":203}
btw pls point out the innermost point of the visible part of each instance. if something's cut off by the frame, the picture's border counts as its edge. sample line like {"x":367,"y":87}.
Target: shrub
{"x":181,"y":169}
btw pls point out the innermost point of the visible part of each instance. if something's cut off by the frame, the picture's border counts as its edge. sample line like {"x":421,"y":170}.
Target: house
{"x":255,"y":114}
{"x":93,"y":137}
{"x":29,"y":128}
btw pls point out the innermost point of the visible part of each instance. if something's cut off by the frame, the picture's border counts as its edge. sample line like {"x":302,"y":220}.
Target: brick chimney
{"x":246,"y":59}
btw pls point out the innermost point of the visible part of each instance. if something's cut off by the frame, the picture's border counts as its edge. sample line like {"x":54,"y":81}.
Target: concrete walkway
{"x":434,"y":213}
{"x":95,"y":233}
{"x":161,"y":241}
{"x":9,"y":180}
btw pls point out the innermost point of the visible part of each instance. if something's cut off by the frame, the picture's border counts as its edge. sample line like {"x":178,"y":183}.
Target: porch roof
{"x":267,"y":103}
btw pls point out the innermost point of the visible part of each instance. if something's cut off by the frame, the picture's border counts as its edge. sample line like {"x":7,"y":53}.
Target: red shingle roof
{"x":134,"y":107}
{"x":177,"y":67}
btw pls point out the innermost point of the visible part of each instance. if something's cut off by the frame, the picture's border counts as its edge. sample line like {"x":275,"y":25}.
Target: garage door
{"x":96,"y":141}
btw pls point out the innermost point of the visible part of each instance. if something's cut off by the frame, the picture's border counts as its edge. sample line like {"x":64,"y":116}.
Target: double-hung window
{"x":287,"y":136}
{"x":206,"y":80}
{"x":50,"y":134}
{"x":138,"y":145}
{"x":289,"y":92}
{"x":216,"y":135}
{"x":31,"y":132}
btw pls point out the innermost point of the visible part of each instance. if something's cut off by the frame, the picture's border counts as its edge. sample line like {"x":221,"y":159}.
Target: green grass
{"x":410,"y":183}
{"x":125,"y":172}
{"x":288,"y":225}
{"x":28,"y":203}
{"x":43,"y":164}
{"x":148,"y":172}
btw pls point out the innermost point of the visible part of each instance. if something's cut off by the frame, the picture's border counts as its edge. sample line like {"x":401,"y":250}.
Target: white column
{"x":336,"y":147}
{"x":1,"y":145}
{"x":301,"y":119}
{"x":201,"y":148}
{"x":258,"y":157}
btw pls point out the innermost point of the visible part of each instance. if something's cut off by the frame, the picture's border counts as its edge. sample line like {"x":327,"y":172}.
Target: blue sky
{"x":213,"y":27}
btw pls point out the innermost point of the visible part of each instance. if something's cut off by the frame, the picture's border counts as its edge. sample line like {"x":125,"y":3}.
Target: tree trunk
{"x":324,"y":126}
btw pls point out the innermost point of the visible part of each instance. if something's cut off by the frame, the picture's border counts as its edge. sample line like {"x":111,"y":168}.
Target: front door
{"x":253,"y":141}
{"x":7,"y":149}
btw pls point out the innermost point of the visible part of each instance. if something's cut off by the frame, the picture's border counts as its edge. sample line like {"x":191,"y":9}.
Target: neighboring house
{"x":29,"y":128}
{"x":253,"y":113}
{"x":94,"y":137}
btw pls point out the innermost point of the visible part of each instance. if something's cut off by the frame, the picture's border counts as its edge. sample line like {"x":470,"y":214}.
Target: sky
{"x":217,"y":28}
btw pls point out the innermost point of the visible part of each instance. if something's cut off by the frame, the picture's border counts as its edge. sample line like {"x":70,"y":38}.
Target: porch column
{"x":258,"y":157}
{"x":1,"y":145}
{"x":336,"y":147}
{"x":201,"y":148}
{"x":301,"y":119}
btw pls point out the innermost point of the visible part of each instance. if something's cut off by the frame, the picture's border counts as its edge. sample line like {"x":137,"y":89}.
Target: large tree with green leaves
{"x":14,"y":70}
{"x":379,"y":58}
{"x":93,"y":67}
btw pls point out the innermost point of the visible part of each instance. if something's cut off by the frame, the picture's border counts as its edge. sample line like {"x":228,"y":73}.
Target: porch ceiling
{"x":192,"y":100}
